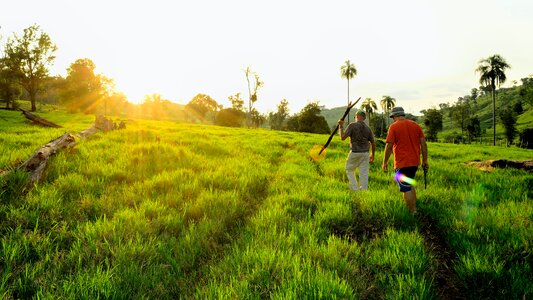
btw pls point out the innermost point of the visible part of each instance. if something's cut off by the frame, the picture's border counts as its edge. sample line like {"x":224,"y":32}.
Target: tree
{"x":526,"y":138}
{"x":518,"y":107}
{"x":9,"y":89}
{"x":526,"y":90}
{"x":369,"y":106}
{"x":52,"y":90}
{"x":257,"y":118}
{"x":310,"y":120}
{"x":492,"y":75}
{"x":387,"y":104}
{"x":236,"y":102}
{"x":28,"y":57}
{"x":278,"y":118}
{"x":230,"y":117}
{"x":84,"y":90}
{"x":473,"y":128}
{"x":432,"y":122}
{"x":461,"y":113}
{"x":348,"y":71}
{"x":293,"y":123}
{"x":508,"y":118}
{"x":377,"y":124}
{"x":154,"y":104}
{"x":474,"y":93}
{"x":252,"y":91}
{"x":201,"y":106}
{"x":234,"y":116}
{"x":116,"y":103}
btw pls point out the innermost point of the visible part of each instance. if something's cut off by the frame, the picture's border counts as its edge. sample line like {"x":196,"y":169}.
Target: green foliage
{"x":230,"y":117}
{"x":9,"y":90}
{"x":526,"y":138}
{"x":473,"y":128}
{"x":277,"y":119}
{"x":310,"y":120}
{"x":387,"y":104}
{"x":202,"y":105}
{"x":83,"y":90}
{"x":433,"y":123}
{"x":28,"y":57}
{"x":508,"y":117}
{"x":378,"y":125}
{"x":491,"y":75}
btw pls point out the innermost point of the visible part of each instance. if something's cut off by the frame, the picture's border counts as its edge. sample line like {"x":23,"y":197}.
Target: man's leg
{"x":364,"y":166}
{"x":410,"y":200}
{"x":351,"y":164}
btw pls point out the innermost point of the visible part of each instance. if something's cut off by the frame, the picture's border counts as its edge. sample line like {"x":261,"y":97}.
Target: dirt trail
{"x":447,"y":284}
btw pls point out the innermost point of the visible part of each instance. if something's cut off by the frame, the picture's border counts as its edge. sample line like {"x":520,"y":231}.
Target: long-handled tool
{"x":425,"y":178}
{"x":350,"y":105}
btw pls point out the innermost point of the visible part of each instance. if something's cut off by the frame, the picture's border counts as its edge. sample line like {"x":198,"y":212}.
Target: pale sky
{"x":420,"y":52}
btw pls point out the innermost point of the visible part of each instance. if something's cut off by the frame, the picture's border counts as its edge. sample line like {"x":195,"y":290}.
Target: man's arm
{"x":388,"y":152}
{"x":424,"y":150}
{"x":373,"y":147}
{"x":342,"y":134}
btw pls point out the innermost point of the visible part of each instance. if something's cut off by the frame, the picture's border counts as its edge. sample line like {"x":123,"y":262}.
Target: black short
{"x":408,"y":172}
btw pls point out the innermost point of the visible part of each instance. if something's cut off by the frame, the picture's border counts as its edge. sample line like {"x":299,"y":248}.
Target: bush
{"x":455,"y":138}
{"x":526,"y":138}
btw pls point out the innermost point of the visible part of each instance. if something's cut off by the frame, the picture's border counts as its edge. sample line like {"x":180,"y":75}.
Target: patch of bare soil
{"x":488,"y":165}
{"x":447,"y":284}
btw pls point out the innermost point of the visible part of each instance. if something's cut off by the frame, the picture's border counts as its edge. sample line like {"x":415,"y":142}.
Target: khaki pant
{"x":362,"y":161}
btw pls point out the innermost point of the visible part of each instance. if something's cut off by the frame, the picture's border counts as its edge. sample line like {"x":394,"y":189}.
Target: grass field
{"x":164,"y":211}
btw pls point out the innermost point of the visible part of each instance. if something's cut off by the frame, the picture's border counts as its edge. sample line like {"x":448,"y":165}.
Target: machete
{"x":350,"y":105}
{"x":425,"y":178}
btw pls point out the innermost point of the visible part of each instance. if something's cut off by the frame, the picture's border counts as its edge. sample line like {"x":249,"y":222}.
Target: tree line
{"x":24,"y":73}
{"x":465,"y":112}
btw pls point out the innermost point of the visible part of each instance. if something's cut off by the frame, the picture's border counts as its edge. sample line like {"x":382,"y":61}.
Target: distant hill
{"x":333,"y":115}
{"x":482,"y":108}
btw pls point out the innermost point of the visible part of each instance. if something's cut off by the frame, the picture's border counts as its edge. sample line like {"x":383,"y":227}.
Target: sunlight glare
{"x":314,"y":153}
{"x":399,"y":177}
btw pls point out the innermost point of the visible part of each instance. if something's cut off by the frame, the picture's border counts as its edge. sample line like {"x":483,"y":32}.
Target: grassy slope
{"x":212,"y":212}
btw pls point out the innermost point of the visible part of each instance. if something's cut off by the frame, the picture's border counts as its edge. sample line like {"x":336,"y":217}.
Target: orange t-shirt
{"x":405,"y":136}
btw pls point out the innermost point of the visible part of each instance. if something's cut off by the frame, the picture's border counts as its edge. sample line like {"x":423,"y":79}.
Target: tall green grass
{"x":164,"y":210}
{"x":20,"y":138}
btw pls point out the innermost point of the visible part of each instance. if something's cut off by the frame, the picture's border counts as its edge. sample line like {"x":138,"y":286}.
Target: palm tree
{"x":387,"y":103}
{"x":348,"y":71}
{"x":369,"y":106}
{"x":492,"y":74}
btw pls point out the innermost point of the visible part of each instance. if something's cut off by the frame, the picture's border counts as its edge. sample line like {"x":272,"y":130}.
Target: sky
{"x":420,"y":52}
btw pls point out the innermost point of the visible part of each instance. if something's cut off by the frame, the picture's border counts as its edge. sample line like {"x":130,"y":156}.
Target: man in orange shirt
{"x":406,"y":140}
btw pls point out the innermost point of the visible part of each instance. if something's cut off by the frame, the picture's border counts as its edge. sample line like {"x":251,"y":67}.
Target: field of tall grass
{"x":162,"y":210}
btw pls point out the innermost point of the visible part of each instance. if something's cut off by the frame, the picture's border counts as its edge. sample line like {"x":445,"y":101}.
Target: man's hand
{"x":371,"y":158}
{"x":385,"y":167}
{"x":341,"y":123}
{"x":425,"y":166}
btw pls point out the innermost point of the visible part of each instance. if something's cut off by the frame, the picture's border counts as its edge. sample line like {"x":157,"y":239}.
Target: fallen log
{"x":488,"y":165}
{"x":37,"y":163}
{"x":87,"y":132}
{"x":38,"y":120}
{"x":102,"y":124}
